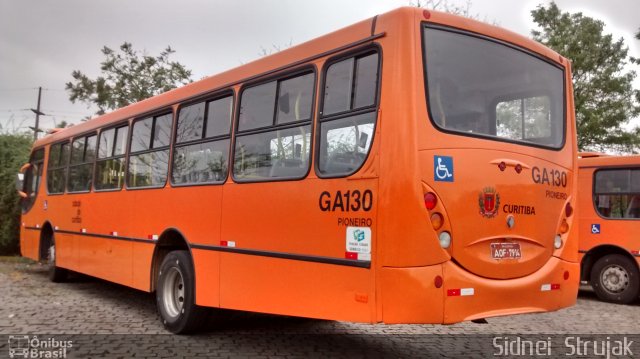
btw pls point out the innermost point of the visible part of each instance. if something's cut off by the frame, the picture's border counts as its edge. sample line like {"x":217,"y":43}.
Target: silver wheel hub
{"x":52,"y":256}
{"x":614,"y":278}
{"x":173,"y":292}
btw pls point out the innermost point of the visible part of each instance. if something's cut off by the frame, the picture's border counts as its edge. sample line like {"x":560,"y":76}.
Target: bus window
{"x":279,"y":150}
{"x":202,"y":147}
{"x":345,"y":136}
{"x":617,"y":193}
{"x":32,"y":179}
{"x":487,"y":88}
{"x":83,"y":152}
{"x":57,"y":168}
{"x":111,"y":162}
{"x":149,"y":157}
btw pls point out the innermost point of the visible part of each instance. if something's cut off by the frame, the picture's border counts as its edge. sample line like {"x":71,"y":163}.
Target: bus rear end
{"x":489,"y":229}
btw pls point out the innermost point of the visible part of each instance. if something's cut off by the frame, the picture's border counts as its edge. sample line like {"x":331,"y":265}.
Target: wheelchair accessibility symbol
{"x":595,"y":228}
{"x":443,"y":168}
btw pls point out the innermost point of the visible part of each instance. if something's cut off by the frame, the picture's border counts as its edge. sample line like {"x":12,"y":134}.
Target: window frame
{"x":158,"y":113}
{"x":217,"y":95}
{"x":374,"y":108}
{"x":84,"y":135}
{"x":594,"y":194}
{"x":125,"y":155}
{"x":425,"y":24}
{"x":285,"y":75}
{"x":65,"y":167}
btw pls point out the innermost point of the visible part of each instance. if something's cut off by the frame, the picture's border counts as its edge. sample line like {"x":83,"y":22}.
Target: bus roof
{"x":363,"y":31}
{"x":604,"y":160}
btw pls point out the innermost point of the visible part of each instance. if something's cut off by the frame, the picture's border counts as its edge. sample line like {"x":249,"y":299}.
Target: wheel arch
{"x":595,"y":253}
{"x":171,"y":239}
{"x":46,"y":237}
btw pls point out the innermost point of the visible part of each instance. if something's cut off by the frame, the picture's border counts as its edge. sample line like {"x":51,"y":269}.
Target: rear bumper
{"x":542,"y":291}
{"x":409,"y":295}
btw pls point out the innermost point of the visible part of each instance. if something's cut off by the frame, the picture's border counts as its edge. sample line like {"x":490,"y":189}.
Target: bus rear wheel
{"x":56,"y":274}
{"x":615,"y":279}
{"x":175,"y":294}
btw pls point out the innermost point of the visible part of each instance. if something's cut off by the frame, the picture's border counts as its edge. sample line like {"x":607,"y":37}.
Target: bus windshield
{"x":483,"y":87}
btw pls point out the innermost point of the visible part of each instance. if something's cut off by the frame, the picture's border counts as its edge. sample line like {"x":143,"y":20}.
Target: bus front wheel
{"x":175,"y":294}
{"x":56,"y":274}
{"x":615,"y":279}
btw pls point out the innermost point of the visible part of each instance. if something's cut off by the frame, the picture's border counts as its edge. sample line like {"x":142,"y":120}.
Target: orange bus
{"x":609,"y":225}
{"x":415,"y":167}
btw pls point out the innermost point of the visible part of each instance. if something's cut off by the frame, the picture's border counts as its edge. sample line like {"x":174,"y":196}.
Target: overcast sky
{"x":42,"y":42}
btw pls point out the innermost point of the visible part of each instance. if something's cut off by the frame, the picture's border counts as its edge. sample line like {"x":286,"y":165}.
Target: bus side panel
{"x":29,"y":242}
{"x":288,"y":287}
{"x":308,"y":218}
{"x":207,"y":272}
{"x":409,"y":295}
{"x":141,"y":265}
{"x":65,"y":255}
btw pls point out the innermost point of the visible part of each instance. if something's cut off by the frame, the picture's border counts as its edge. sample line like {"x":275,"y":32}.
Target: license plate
{"x":505,"y":251}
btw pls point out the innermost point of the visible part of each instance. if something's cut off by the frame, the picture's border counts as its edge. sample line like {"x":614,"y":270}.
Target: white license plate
{"x":505,"y":251}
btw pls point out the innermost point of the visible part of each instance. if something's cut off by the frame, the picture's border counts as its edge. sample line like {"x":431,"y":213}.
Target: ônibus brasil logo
{"x":489,"y":202}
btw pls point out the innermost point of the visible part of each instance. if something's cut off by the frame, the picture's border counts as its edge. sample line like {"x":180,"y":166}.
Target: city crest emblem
{"x":489,"y":202}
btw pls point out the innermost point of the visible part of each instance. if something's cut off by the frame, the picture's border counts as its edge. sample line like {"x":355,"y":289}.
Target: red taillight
{"x":430,"y":200}
{"x":426,"y":14}
{"x":502,"y":166}
{"x":566,"y":275}
{"x":568,"y":210}
{"x":438,"y":281}
{"x":518,"y":168}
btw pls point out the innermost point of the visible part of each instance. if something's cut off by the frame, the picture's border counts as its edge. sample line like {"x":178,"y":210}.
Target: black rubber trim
{"x":283,"y":255}
{"x":33,"y":228}
{"x":120,"y":238}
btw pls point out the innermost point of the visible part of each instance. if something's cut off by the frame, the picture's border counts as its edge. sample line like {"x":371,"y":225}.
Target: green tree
{"x":14,"y":152}
{"x":605,"y":99}
{"x":128,"y":76}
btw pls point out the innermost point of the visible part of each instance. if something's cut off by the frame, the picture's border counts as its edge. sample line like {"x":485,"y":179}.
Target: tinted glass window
{"x":345,"y":143}
{"x":201,"y":163}
{"x":617,"y":193}
{"x":64,"y":154}
{"x":141,"y":135}
{"x":273,"y":154}
{"x":366,"y":81}
{"x":110,"y":173}
{"x":338,"y":85}
{"x":77,"y":150}
{"x":105,"y":148}
{"x":162,"y":131}
{"x":54,"y":155}
{"x":219,"y":117}
{"x":90,"y":152}
{"x":148,"y":169}
{"x":345,"y":137}
{"x":295,"y":97}
{"x":121,"y":140}
{"x":80,"y":177}
{"x":490,"y":89}
{"x":190,"y":122}
{"x":257,"y":106}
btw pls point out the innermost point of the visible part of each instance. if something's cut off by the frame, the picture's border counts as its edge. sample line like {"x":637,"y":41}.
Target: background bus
{"x":610,"y":225}
{"x":416,"y":167}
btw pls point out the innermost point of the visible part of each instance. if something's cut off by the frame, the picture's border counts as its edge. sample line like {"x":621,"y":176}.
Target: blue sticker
{"x":595,"y":228}
{"x":443,"y":168}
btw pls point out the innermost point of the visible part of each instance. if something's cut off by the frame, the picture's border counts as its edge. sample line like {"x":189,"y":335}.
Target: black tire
{"x":175,"y":294}
{"x":56,"y":274}
{"x":615,"y":279}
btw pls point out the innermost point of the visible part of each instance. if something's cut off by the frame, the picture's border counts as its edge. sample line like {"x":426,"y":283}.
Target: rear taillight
{"x":568,"y":210}
{"x":430,"y":200}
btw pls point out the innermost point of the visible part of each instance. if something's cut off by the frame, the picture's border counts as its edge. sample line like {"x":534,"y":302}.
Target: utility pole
{"x":38,"y":113}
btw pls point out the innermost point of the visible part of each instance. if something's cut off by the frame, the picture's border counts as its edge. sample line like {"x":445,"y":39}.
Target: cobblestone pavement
{"x":107,"y":320}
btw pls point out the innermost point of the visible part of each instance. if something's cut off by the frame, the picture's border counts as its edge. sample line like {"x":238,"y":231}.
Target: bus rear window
{"x":481,"y":87}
